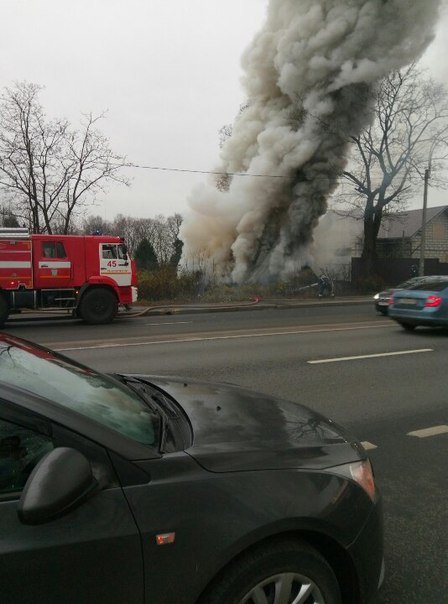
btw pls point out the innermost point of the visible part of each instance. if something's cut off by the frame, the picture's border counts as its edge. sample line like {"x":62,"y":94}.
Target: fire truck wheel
{"x":4,"y":310}
{"x":98,"y":305}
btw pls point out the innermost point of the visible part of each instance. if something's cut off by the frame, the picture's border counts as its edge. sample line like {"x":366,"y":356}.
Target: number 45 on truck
{"x":91,"y":275}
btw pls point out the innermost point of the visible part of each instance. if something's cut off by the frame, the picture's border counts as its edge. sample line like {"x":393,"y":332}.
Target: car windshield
{"x":70,"y":385}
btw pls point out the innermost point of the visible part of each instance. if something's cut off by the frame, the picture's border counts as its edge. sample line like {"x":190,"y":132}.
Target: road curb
{"x":180,"y":309}
{"x":256,"y":305}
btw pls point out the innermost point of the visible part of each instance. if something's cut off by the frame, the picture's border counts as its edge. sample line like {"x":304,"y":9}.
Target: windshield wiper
{"x":143,"y":391}
{"x":137,"y":387}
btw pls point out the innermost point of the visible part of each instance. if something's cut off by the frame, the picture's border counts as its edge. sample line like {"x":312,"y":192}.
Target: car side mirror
{"x":60,"y":482}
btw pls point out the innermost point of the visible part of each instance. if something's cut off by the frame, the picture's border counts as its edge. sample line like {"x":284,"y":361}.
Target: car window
{"x":60,"y":250}
{"x":20,"y":450}
{"x":53,"y":249}
{"x":94,"y":395}
{"x":410,"y":282}
{"x":109,"y":250}
{"x":434,"y":286}
{"x":122,"y":252}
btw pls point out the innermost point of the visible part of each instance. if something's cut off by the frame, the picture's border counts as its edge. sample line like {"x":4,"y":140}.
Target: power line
{"x":340,"y":179}
{"x":215,"y":173}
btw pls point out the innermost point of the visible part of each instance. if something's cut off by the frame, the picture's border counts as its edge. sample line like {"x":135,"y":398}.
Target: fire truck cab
{"x":90,"y":275}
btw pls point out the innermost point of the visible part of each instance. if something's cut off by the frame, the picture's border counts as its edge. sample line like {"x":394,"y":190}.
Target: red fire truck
{"x":90,"y":275}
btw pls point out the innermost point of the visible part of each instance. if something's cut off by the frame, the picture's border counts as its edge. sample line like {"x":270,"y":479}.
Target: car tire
{"x":98,"y":306}
{"x":408,"y":326}
{"x":4,"y":310}
{"x":289,"y":565}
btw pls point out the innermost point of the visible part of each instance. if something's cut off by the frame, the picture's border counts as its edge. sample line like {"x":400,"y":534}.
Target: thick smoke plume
{"x":309,"y":78}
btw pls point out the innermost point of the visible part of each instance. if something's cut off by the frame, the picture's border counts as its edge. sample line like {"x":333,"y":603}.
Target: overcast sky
{"x":167,"y":71}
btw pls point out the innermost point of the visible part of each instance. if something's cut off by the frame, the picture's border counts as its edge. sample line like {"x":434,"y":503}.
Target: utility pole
{"x":421,"y":267}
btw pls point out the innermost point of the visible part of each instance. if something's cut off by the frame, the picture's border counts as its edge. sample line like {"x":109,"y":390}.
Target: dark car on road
{"x":133,"y":489}
{"x":423,"y":303}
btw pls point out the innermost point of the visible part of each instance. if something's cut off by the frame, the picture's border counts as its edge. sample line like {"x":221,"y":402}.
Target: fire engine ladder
{"x":13,"y":233}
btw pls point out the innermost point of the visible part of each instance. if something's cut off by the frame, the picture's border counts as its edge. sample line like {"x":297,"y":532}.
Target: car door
{"x":52,"y":267}
{"x":114,"y":263}
{"x":91,"y":554}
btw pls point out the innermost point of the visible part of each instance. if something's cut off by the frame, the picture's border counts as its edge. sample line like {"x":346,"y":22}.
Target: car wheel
{"x":286,"y":572}
{"x":408,"y":326}
{"x":98,"y":306}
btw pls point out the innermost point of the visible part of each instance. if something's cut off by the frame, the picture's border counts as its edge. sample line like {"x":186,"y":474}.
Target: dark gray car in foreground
{"x":135,"y":489}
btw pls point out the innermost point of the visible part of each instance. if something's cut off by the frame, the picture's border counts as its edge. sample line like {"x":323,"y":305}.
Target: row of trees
{"x":154,"y":242}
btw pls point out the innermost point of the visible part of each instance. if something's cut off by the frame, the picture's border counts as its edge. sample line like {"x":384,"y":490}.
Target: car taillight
{"x":433,"y":301}
{"x":361,"y":472}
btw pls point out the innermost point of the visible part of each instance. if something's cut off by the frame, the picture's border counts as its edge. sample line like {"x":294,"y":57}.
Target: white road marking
{"x":368,"y":446}
{"x":171,"y":323}
{"x":213,"y":338}
{"x":370,"y":356}
{"x":433,"y":431}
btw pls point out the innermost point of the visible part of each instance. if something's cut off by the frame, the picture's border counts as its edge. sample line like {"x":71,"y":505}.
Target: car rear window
{"x":410,"y":282}
{"x":434,"y":286}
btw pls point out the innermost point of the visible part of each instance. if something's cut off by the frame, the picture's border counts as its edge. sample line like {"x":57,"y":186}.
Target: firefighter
{"x":324,"y":286}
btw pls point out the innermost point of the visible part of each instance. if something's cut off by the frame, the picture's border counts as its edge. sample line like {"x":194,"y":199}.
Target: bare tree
{"x":162,"y":239}
{"x":174,"y":223}
{"x":389,"y":157}
{"x":47,"y":169}
{"x":96,"y":224}
{"x":7,"y":217}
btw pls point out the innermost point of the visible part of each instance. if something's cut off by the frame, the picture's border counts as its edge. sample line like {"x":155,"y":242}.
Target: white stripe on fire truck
{"x":14,"y":264}
{"x":51,"y":264}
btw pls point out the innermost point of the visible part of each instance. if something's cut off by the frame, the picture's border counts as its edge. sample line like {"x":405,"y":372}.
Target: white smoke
{"x":309,"y":76}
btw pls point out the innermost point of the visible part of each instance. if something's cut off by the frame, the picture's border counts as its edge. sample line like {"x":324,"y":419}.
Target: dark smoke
{"x":309,"y":77}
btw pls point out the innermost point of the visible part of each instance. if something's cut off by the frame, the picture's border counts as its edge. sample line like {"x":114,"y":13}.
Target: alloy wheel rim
{"x":284,"y":588}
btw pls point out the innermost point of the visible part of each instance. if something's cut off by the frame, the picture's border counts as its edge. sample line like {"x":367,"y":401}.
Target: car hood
{"x":237,"y":429}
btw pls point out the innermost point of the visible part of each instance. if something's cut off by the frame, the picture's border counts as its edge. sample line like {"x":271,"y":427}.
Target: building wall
{"x":436,"y":236}
{"x":436,"y":245}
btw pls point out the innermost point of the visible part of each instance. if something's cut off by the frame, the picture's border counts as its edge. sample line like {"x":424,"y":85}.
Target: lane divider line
{"x":213,"y":338}
{"x":171,"y":323}
{"x":368,"y":446}
{"x":370,"y":356}
{"x":426,"y":432}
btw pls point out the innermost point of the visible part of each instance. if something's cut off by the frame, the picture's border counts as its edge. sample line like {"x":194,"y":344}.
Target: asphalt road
{"x":388,"y":386}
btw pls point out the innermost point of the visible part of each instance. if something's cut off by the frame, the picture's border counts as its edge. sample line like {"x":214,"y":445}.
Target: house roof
{"x":406,"y":224}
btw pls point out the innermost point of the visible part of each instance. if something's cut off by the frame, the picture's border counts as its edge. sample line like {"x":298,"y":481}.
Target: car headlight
{"x":376,"y":297}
